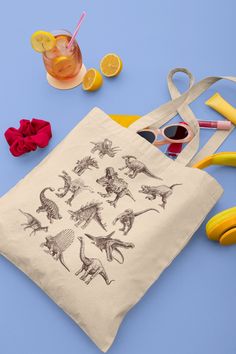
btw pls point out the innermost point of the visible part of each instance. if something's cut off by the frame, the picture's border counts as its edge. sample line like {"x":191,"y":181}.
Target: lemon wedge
{"x":42,"y":41}
{"x":111,"y":65}
{"x":92,"y":80}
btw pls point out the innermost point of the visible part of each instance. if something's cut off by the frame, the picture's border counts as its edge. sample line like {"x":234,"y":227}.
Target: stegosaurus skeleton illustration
{"x":110,"y":245}
{"x":160,"y":191}
{"x":113,"y":184}
{"x":85,"y":164}
{"x":33,"y":223}
{"x":127,"y":218}
{"x":105,"y":148}
{"x":92,"y":267}
{"x":135,"y":167}
{"x":75,"y":186}
{"x":87,"y":213}
{"x":49,"y":206}
{"x":58,"y":244}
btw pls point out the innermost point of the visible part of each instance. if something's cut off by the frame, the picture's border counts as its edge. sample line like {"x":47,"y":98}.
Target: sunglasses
{"x":174,"y":133}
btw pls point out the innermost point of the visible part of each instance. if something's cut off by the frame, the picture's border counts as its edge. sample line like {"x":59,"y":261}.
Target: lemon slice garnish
{"x":42,"y":41}
{"x":63,"y":67}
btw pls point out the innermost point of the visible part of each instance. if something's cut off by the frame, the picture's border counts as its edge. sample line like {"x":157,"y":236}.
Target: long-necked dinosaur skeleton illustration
{"x":162,"y":191}
{"x":75,"y":186}
{"x":87,"y":213}
{"x":58,"y":244}
{"x":113,"y":184}
{"x":135,"y":167}
{"x":105,"y":148}
{"x":92,"y":267}
{"x":49,"y":206}
{"x":110,"y":245}
{"x":33,"y":223}
{"x":87,"y":163}
{"x":127,"y":218}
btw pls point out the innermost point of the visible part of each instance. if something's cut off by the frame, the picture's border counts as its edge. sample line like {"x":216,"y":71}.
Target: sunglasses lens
{"x":176,"y":132}
{"x":149,"y":136}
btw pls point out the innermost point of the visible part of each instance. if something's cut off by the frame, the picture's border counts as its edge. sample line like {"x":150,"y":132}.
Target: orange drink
{"x":61,"y":62}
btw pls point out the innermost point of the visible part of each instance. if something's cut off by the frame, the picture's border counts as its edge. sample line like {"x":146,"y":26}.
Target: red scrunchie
{"x":30,"y":135}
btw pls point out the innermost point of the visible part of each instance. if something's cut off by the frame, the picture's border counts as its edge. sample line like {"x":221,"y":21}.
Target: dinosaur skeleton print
{"x":74,"y":186}
{"x":87,"y":163}
{"x":110,"y":245}
{"x":135,"y":167}
{"x":113,"y":185}
{"x":33,"y":223}
{"x":163,"y":192}
{"x":87,"y":213}
{"x":48,"y":206}
{"x":56,"y":245}
{"x":91,"y":267}
{"x":115,"y":188}
{"x":127,"y":218}
{"x":105,"y":148}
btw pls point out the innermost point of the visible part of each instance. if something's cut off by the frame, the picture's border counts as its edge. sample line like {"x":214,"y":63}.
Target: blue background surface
{"x":191,"y":309}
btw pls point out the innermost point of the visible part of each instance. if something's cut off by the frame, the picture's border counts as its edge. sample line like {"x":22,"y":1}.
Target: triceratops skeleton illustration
{"x":105,"y":148}
{"x":91,"y":267}
{"x":160,"y":191}
{"x":49,"y":206}
{"x":135,"y":167}
{"x":75,"y":186}
{"x":85,"y":164}
{"x":110,"y":245}
{"x":33,"y":223}
{"x":87,"y":213}
{"x":113,"y":184}
{"x":127,"y":219}
{"x":58,"y":244}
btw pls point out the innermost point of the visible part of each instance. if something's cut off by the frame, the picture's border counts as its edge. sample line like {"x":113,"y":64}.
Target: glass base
{"x":67,"y":84}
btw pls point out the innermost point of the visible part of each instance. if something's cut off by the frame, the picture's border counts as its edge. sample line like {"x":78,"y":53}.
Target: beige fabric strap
{"x":179,"y":105}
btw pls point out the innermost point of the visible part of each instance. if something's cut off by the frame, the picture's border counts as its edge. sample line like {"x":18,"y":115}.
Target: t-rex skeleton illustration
{"x":49,"y":206}
{"x":105,"y":148}
{"x":87,"y":213}
{"x":58,"y":244}
{"x":113,"y":184}
{"x":110,"y":245}
{"x":91,"y":267}
{"x":33,"y":223}
{"x":160,"y":191}
{"x":135,"y":167}
{"x":85,"y":164}
{"x":75,"y":186}
{"x":127,"y":218}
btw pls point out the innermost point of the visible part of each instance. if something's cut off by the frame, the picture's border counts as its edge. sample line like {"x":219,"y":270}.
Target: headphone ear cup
{"x":229,"y":237}
{"x":222,"y":227}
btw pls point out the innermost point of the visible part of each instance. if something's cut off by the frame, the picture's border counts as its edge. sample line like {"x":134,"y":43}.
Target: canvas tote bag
{"x":101,"y":217}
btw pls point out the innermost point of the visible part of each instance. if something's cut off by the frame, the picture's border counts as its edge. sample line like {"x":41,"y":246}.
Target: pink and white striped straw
{"x":77,"y":29}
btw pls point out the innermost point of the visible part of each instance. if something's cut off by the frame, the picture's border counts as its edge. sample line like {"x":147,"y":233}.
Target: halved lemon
{"x":42,"y":41}
{"x":111,"y":65}
{"x":92,"y":80}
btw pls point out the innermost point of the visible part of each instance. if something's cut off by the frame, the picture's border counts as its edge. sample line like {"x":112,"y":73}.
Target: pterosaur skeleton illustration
{"x":110,"y":246}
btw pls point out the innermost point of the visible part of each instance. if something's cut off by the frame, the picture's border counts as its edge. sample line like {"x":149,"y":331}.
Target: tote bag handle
{"x":180,"y":105}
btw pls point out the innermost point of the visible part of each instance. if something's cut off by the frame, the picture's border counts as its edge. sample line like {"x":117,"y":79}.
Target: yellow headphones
{"x":222,"y":227}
